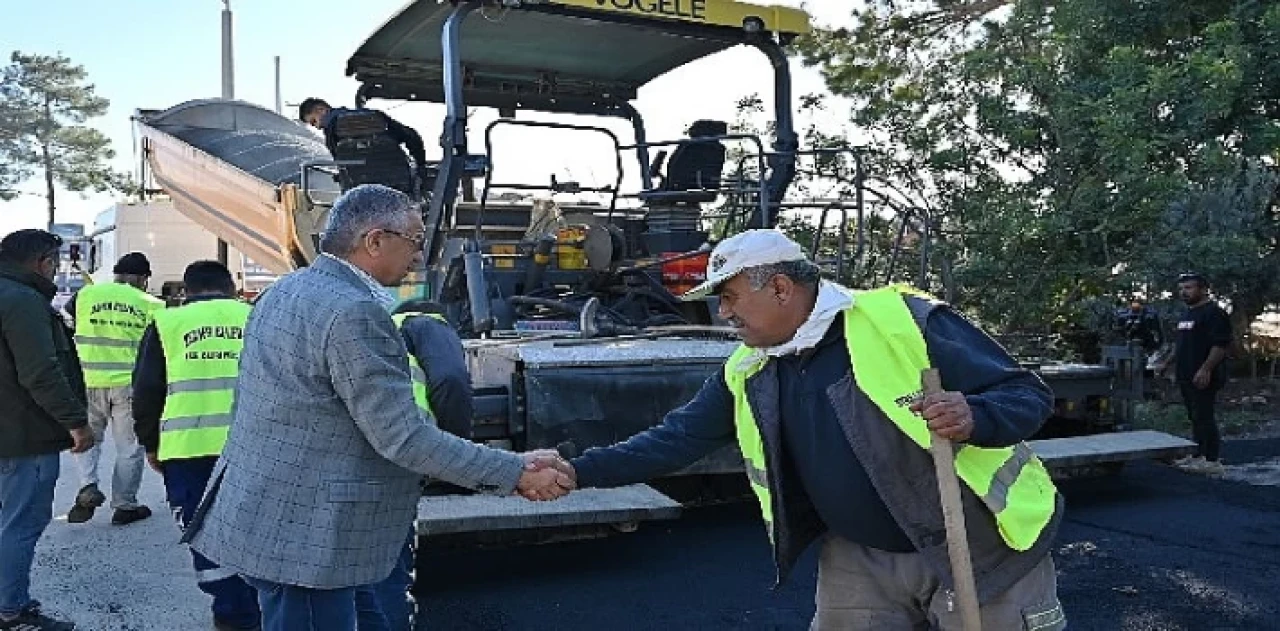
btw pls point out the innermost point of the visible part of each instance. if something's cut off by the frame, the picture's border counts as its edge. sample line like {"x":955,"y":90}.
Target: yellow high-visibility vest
{"x":884,"y":340}
{"x":421,"y":389}
{"x":110,"y":320}
{"x":202,"y":345}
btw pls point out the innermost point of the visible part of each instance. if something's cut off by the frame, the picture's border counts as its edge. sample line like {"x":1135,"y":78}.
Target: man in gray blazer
{"x":320,"y":474}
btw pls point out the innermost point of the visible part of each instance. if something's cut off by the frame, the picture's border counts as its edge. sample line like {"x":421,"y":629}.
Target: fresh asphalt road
{"x":1152,"y":549}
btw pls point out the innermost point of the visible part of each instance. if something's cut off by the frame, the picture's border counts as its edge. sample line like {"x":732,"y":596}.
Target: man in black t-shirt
{"x":1203,"y":335}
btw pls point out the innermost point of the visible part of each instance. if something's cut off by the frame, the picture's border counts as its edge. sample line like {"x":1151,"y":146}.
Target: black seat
{"x":362,"y":135}
{"x":695,"y":168}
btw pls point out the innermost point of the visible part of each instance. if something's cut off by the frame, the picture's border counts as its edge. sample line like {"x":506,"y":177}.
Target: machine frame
{"x":543,"y":78}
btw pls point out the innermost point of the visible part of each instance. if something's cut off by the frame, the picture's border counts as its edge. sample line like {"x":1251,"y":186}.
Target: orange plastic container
{"x":685,"y":274}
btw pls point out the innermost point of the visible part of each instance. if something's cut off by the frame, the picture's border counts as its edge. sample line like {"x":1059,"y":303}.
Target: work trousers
{"x":234,"y":602}
{"x":864,"y":589}
{"x":26,"y":508}
{"x":1204,"y":427}
{"x":392,"y":597}
{"x":110,"y":408}
{"x":294,"y":608}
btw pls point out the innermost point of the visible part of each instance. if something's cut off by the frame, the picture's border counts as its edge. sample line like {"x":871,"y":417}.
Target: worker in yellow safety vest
{"x":183,"y":390}
{"x":109,"y":320}
{"x":442,"y":388}
{"x":823,"y":398}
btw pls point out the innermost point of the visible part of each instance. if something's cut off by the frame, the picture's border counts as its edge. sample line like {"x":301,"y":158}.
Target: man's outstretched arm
{"x":685,"y":435}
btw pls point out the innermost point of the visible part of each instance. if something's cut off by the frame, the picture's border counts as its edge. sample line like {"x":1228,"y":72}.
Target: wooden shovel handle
{"x":944,"y":464}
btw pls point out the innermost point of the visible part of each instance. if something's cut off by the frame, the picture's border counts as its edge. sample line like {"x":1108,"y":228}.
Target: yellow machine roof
{"x":557,"y":51}
{"x":730,"y":13}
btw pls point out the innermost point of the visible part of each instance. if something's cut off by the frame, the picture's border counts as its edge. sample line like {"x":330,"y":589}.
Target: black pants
{"x":1204,"y":426}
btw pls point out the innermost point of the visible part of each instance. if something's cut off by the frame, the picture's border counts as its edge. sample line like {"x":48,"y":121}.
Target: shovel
{"x":944,"y":464}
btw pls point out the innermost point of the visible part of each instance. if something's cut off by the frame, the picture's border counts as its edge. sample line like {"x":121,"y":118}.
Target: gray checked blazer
{"x":318,"y":484}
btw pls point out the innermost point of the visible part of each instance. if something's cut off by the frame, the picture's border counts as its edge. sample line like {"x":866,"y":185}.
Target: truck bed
{"x":235,"y":169}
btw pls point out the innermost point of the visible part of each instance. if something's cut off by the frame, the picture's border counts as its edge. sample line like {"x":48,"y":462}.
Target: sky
{"x":154,"y":54}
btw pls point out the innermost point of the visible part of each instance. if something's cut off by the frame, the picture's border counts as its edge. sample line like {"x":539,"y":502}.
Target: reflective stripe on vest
{"x":881,"y":332}
{"x":110,"y":320}
{"x":202,"y":344}
{"x":421,"y":389}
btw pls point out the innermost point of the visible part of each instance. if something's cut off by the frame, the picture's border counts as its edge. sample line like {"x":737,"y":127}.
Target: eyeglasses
{"x":418,"y":241}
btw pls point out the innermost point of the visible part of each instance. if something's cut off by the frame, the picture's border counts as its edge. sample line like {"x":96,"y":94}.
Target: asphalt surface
{"x":1152,"y":549}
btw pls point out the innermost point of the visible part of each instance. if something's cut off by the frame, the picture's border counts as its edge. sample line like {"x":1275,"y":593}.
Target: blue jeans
{"x":293,"y":608}
{"x":392,"y":606}
{"x":26,"y":508}
{"x":234,"y":602}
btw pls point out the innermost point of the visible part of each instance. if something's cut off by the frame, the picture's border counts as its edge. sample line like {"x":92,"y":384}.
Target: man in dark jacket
{"x":833,"y":449}
{"x":381,"y":156}
{"x":438,"y":350}
{"x":174,"y":356}
{"x":42,"y":412}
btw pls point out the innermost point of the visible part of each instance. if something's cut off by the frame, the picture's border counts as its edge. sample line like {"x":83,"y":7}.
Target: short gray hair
{"x":802,"y":273}
{"x":361,"y":209}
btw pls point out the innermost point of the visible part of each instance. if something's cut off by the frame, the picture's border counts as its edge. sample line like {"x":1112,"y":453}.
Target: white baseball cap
{"x":752,"y":248}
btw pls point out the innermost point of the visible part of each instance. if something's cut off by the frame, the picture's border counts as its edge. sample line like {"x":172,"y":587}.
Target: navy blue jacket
{"x":438,"y":350}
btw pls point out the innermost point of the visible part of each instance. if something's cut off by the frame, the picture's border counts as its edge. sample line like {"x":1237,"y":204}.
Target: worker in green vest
{"x":442,"y":387}
{"x":824,"y":400}
{"x":109,"y":320}
{"x":183,"y":389}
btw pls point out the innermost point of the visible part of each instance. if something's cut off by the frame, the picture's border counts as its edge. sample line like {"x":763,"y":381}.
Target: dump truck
{"x":568,"y":309}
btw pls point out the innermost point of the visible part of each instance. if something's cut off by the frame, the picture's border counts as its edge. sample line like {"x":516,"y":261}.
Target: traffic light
{"x":73,"y":253}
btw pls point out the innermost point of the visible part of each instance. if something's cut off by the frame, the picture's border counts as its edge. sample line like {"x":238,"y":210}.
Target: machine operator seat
{"x":362,"y":135}
{"x":695,"y":168}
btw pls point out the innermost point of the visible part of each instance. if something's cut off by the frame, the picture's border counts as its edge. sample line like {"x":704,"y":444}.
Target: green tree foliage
{"x":44,"y":102}
{"x":12,"y":140}
{"x":1074,"y":150}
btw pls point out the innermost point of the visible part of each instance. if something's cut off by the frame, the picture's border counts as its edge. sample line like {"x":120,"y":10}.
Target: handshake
{"x":546,"y":476}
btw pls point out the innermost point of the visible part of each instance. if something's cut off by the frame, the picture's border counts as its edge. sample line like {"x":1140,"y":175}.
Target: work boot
{"x":32,"y":620}
{"x":87,"y":500}
{"x":124,"y":516}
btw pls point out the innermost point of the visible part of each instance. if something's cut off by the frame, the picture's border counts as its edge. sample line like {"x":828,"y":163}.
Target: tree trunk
{"x":48,"y":167}
{"x":49,"y":183}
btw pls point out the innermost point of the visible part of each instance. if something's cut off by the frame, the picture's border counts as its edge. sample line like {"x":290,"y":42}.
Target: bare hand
{"x":544,"y":485}
{"x":1202,"y":378}
{"x":549,"y":459}
{"x":153,"y":460}
{"x":948,"y":415}
{"x":83,"y":440}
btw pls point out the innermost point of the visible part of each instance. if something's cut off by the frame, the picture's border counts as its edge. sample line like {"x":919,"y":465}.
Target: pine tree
{"x":44,"y":103}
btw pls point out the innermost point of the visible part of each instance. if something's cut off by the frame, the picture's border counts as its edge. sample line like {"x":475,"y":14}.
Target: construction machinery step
{"x":456,"y":514}
{"x":1116,"y":447}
